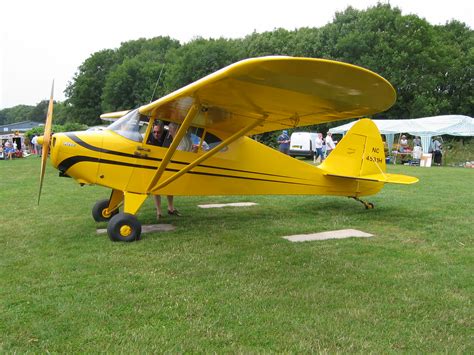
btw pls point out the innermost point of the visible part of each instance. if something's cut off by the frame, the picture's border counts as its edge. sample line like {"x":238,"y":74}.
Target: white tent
{"x":427,"y":127}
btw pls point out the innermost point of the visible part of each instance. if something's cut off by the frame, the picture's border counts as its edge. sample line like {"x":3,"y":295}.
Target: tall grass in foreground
{"x":225,"y":280}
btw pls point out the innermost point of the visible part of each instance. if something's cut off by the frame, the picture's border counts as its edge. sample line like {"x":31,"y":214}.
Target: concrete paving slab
{"x":234,"y":204}
{"x":338,"y":234}
{"x":148,"y":228}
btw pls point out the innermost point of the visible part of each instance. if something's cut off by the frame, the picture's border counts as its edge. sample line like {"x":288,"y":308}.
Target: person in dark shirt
{"x":164,"y":139}
{"x":283,"y":142}
{"x":158,"y":134}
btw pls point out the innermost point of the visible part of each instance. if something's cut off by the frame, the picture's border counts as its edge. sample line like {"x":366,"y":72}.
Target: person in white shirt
{"x":403,"y":144}
{"x":330,"y":145}
{"x":318,"y":147}
{"x":37,"y":147}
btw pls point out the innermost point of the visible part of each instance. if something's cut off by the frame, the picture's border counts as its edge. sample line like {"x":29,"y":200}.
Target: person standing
{"x":318,"y":146}
{"x":34,"y":142}
{"x":403,"y":144}
{"x":184,"y":145}
{"x":416,"y":142}
{"x":438,"y":155}
{"x":38,"y":147}
{"x":417,"y":149}
{"x":283,"y":142}
{"x":330,"y":145}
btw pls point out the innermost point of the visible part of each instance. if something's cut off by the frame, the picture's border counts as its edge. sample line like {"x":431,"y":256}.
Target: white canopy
{"x":454,"y":125}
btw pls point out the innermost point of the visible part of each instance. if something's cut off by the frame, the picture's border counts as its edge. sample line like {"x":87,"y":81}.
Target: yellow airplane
{"x":219,"y":112}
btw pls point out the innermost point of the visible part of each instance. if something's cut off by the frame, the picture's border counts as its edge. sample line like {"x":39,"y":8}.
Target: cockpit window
{"x":130,"y":126}
{"x":204,"y":140}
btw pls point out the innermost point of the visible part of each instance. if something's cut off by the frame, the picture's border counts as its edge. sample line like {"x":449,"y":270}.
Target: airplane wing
{"x":285,"y":92}
{"x":112,"y":116}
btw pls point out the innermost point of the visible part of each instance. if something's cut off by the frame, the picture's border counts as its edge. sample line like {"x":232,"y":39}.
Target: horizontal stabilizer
{"x":387,"y":178}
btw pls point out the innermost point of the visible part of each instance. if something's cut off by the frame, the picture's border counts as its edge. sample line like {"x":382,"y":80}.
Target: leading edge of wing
{"x":285,"y":91}
{"x":112,"y":116}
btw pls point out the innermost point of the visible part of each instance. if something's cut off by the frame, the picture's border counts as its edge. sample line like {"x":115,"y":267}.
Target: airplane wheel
{"x":124,"y":227}
{"x":99,"y":212}
{"x":369,"y":206}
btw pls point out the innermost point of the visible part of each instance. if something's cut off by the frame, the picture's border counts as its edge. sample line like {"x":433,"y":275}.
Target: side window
{"x":213,"y":141}
{"x":196,"y":138}
{"x":203,"y":140}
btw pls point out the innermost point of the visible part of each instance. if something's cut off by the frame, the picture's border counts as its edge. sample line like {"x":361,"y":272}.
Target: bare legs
{"x":157,"y":199}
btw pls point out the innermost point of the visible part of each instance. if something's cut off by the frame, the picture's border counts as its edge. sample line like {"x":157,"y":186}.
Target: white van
{"x":302,"y":144}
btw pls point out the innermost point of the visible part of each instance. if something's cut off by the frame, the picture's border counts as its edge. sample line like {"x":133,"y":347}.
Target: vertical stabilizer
{"x":360,"y":155}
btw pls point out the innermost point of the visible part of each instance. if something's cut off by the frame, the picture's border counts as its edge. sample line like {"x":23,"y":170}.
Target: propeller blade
{"x":46,"y":140}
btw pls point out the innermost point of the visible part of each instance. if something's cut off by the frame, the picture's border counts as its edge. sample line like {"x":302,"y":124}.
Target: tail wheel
{"x":124,"y":227}
{"x":100,"y":212}
{"x":367,"y":205}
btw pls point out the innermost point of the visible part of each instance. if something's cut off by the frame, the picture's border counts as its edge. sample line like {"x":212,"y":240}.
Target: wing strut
{"x":209,"y":154}
{"x":174,"y":144}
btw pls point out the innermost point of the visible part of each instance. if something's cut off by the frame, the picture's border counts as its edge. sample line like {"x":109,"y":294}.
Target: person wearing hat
{"x":403,"y":144}
{"x":284,"y":142}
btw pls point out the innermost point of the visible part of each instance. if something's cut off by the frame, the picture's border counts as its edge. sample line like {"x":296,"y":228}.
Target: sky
{"x":42,"y":40}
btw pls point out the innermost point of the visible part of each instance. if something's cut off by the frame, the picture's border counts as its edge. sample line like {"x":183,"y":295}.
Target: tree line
{"x":430,"y":66}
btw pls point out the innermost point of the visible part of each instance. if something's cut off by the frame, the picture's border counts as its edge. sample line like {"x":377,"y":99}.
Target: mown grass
{"x":456,"y":152}
{"x":225,"y":280}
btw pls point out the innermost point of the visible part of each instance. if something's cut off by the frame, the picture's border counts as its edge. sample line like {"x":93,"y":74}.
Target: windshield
{"x":130,"y":126}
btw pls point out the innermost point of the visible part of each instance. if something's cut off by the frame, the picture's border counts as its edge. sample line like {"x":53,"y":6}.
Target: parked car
{"x":302,"y":144}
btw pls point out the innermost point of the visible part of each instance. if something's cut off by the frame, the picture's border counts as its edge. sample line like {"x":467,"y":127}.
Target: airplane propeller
{"x":45,"y":140}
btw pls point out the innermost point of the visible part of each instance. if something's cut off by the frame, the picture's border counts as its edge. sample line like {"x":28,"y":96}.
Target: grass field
{"x":225,"y":280}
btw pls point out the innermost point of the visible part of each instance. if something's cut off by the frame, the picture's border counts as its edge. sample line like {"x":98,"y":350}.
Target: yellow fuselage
{"x":245,"y":167}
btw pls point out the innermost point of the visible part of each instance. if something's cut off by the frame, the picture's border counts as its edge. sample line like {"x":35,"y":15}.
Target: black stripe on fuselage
{"x":86,"y":145}
{"x":67,"y":163}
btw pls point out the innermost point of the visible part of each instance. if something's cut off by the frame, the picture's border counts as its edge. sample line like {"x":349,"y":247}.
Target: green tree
{"x":131,"y":83}
{"x":277,"y":42}
{"x":84,"y":93}
{"x":17,"y":113}
{"x":199,"y":58}
{"x":431,"y":67}
{"x":39,"y":112}
{"x":455,"y":86}
{"x":406,"y":50}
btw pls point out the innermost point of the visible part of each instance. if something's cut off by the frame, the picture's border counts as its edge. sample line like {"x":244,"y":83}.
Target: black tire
{"x":98,"y":211}
{"x":124,"y":227}
{"x":369,"y":206}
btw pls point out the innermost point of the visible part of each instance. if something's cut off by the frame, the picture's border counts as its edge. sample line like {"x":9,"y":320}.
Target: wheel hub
{"x":125,"y":231}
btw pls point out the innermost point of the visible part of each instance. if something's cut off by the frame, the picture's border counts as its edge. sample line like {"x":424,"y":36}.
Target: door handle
{"x":139,"y":154}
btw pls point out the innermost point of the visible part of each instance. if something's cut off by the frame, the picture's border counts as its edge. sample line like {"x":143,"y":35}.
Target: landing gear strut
{"x":368,"y":205}
{"x":100,"y":211}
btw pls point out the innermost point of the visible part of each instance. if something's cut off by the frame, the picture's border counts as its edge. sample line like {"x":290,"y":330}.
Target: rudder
{"x":359,"y":153}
